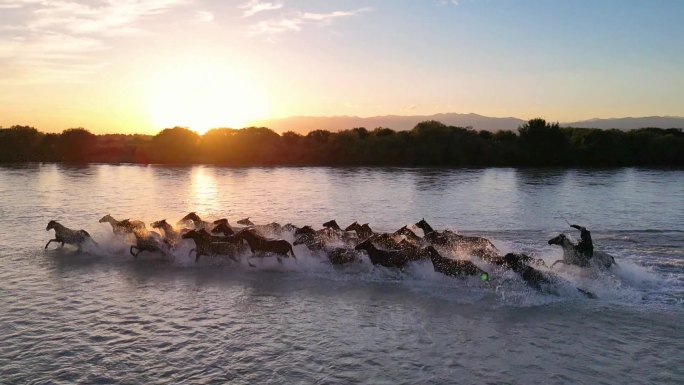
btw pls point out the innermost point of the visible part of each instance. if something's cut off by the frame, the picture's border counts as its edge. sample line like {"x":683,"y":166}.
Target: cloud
{"x":253,"y":7}
{"x":448,"y":2}
{"x":298,"y":20}
{"x":60,"y":37}
{"x":204,"y":16}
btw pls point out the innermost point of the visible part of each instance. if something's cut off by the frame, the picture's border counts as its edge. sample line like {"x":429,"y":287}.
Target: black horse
{"x":543,"y":282}
{"x":66,"y":235}
{"x":245,"y":222}
{"x":387,"y":258}
{"x":332,"y":224}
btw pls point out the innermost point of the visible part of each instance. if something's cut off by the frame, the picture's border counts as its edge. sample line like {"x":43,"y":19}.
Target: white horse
{"x":572,"y":256}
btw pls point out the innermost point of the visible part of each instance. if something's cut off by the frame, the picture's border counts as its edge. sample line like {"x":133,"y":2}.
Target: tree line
{"x":431,"y":143}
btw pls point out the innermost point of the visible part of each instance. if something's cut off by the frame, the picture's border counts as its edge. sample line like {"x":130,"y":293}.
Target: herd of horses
{"x":342,"y":246}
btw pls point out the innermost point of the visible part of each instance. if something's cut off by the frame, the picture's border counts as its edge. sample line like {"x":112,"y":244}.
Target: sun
{"x":202,"y":96}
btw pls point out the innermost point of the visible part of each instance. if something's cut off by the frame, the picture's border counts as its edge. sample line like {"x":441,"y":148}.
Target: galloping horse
{"x":147,"y":242}
{"x":581,"y":254}
{"x":258,"y":243}
{"x":332,"y":224}
{"x":310,"y":240}
{"x":204,"y":244}
{"x":171,"y":235}
{"x":362,"y":231}
{"x":125,"y":226}
{"x":64,"y":235}
{"x":452,"y":267}
{"x":245,"y":222}
{"x":223,"y":228}
{"x":478,"y":246}
{"x":197,"y":222}
{"x":387,"y":258}
{"x":341,"y":256}
{"x":410,"y":235}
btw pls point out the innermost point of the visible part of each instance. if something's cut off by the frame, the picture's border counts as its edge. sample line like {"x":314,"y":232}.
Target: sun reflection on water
{"x":204,"y":191}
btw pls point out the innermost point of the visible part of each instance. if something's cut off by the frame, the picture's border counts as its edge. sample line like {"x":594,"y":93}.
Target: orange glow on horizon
{"x":202,"y":96}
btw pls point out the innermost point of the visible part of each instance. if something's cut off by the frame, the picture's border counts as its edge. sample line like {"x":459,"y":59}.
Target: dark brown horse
{"x":147,"y":242}
{"x":362,"y":231}
{"x":409,"y":235}
{"x":452,"y":267}
{"x":258,"y":243}
{"x":478,"y":246}
{"x":197,"y":222}
{"x":222,"y":226}
{"x":205,"y":244}
{"x":342,"y":256}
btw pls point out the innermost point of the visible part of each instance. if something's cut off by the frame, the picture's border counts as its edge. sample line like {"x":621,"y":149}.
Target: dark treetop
{"x":431,"y":143}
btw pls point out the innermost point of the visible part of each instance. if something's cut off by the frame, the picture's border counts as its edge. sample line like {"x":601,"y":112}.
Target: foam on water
{"x":627,"y":282}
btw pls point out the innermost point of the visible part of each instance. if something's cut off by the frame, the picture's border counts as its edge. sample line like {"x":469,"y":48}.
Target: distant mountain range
{"x":305,"y":124}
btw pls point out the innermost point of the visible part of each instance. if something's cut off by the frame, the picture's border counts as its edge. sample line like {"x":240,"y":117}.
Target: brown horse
{"x":171,"y":235}
{"x":125,"y":226}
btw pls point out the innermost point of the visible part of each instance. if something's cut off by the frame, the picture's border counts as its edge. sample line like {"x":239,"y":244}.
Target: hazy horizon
{"x":140,"y":66}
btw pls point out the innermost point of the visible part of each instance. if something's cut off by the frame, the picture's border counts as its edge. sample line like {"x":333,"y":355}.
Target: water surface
{"x":102,"y":317}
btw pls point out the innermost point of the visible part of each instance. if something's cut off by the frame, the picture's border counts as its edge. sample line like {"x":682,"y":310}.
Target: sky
{"x":138,"y":66}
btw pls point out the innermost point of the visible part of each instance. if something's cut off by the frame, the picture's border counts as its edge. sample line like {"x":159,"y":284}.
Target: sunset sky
{"x":142,"y":65}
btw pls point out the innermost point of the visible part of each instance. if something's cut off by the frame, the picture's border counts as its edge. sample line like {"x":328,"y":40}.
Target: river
{"x":102,"y":317}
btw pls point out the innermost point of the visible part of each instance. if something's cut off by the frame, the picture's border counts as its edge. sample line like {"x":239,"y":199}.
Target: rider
{"x":585,"y":245}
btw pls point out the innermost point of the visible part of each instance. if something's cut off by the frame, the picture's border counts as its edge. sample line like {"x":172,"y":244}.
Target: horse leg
{"x":280,"y":260}
{"x":191,"y":250}
{"x":197,"y":255}
{"x":292,"y":252}
{"x":49,"y":242}
{"x":62,"y":244}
